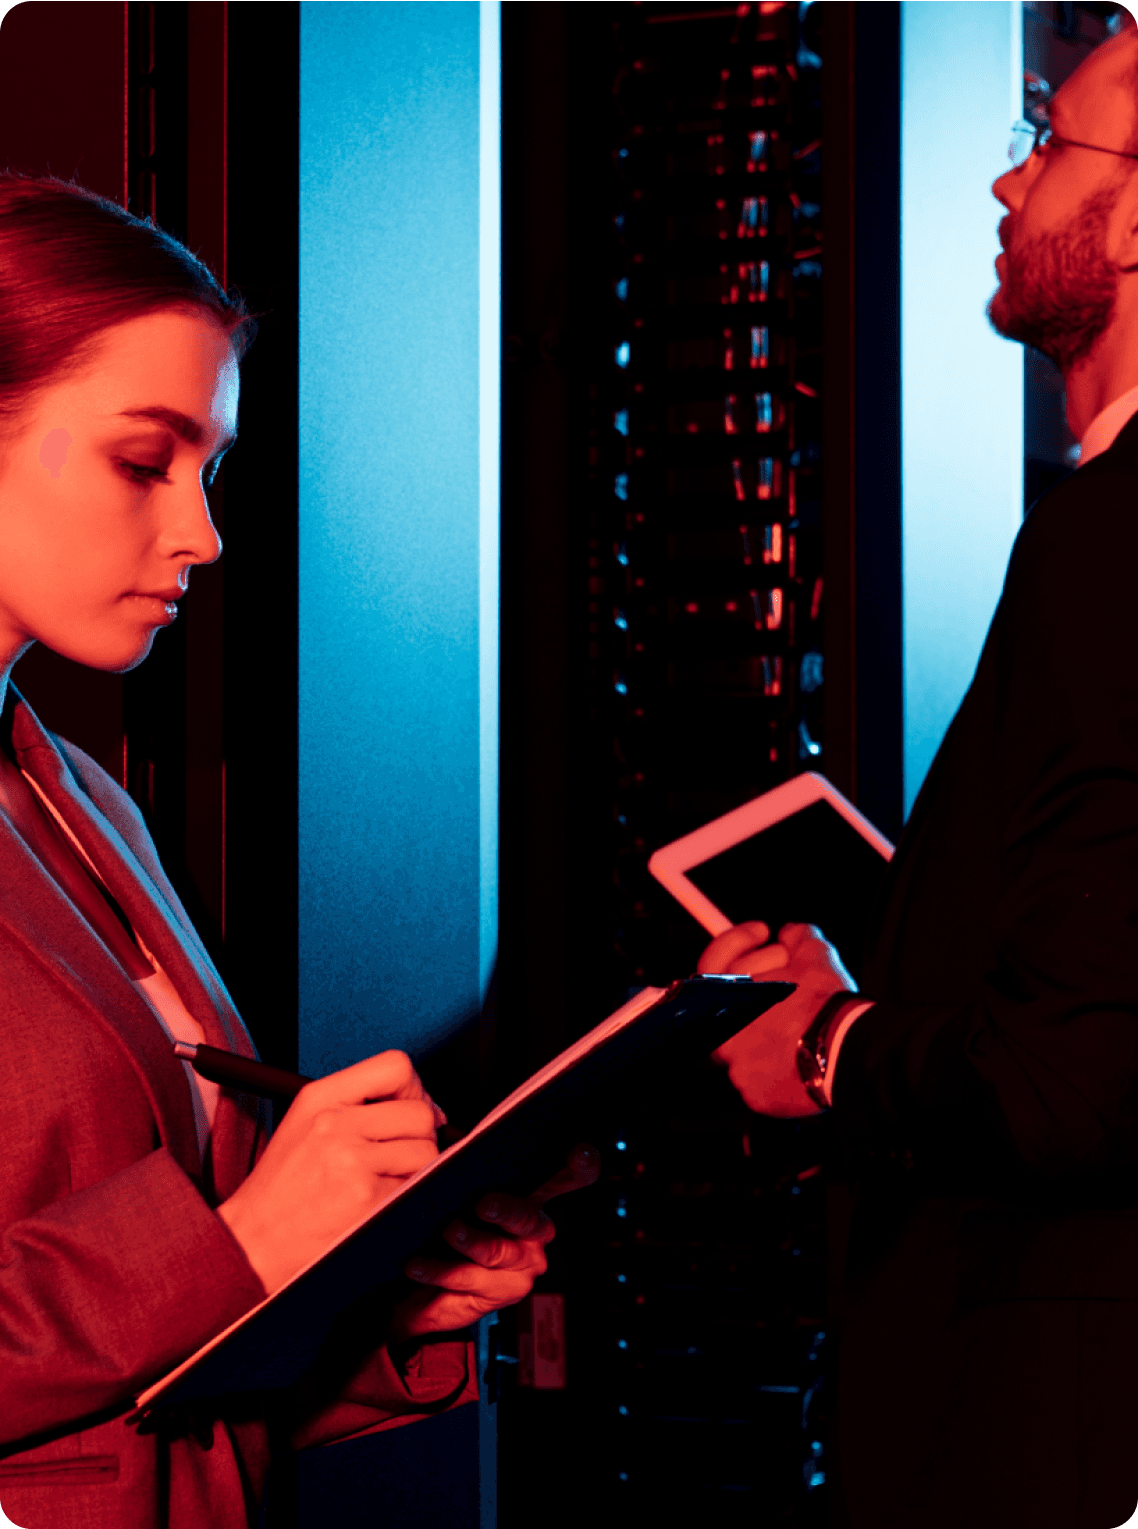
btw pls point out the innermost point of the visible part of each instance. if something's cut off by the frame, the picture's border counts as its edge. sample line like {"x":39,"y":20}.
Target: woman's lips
{"x":163,"y":609}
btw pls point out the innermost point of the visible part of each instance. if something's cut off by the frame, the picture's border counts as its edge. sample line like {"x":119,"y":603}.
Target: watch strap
{"x":812,"y":1054}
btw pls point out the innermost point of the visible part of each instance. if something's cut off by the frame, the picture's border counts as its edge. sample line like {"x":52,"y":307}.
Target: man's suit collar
{"x":1122,"y":451}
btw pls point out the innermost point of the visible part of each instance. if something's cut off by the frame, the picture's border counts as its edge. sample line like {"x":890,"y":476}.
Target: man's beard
{"x":1059,"y":291}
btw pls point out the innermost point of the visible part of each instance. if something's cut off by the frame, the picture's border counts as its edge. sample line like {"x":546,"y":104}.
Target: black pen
{"x":239,"y":1072}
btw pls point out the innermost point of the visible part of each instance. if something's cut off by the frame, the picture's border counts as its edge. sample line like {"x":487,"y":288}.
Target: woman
{"x":142,"y":1209}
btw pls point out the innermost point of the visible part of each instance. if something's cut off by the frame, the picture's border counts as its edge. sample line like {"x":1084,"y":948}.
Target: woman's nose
{"x":190,"y":535}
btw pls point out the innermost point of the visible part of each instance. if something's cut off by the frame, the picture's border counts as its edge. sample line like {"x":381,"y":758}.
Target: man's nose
{"x":1009,"y":188}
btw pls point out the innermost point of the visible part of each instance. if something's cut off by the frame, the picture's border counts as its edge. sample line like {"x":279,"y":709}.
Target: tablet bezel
{"x":670,"y":864}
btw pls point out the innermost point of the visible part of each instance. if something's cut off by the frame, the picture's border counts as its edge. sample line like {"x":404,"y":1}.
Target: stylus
{"x":239,"y":1072}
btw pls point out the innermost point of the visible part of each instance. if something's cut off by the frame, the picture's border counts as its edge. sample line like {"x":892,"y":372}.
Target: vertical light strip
{"x":962,"y":385}
{"x":489,"y":519}
{"x":489,"y":568}
{"x":125,"y":108}
{"x":224,"y":837}
{"x":1017,"y":445}
{"x":392,"y":885}
{"x":225,"y":144}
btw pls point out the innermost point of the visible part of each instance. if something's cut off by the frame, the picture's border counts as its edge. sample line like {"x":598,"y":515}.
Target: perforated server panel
{"x":693,"y":1275}
{"x":705,"y":587}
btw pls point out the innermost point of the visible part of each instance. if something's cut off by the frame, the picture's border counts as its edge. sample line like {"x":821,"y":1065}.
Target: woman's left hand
{"x":497,"y":1268}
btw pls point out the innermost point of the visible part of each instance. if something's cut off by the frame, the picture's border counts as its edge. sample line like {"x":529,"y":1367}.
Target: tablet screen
{"x":811,"y":868}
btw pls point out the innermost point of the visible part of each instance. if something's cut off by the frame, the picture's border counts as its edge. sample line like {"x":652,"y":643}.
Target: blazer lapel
{"x":35,"y":911}
{"x":153,"y":908}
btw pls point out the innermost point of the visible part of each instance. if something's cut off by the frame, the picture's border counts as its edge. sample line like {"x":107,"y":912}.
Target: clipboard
{"x":645,"y":1044}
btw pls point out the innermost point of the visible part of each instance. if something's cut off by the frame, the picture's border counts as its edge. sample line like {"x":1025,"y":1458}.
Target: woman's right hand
{"x":332,"y":1161}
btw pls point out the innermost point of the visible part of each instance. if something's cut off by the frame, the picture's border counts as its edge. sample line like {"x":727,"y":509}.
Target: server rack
{"x":701,"y":1282}
{"x":705,"y":584}
{"x":693,"y":1279}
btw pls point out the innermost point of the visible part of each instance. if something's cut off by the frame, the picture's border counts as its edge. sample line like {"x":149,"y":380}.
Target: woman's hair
{"x":73,"y":264}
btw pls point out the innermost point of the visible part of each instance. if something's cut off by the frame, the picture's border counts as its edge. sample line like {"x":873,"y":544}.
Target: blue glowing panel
{"x":962,"y":386}
{"x":489,"y":464}
{"x":398,"y":523}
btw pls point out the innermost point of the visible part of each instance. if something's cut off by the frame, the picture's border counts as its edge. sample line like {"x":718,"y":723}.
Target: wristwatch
{"x":813,"y":1053}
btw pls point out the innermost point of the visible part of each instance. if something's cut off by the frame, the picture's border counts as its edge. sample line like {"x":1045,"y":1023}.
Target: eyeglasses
{"x":1029,"y":136}
{"x":1033,"y":130}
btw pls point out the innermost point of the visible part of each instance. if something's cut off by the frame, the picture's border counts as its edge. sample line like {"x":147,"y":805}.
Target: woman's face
{"x":102,"y":504}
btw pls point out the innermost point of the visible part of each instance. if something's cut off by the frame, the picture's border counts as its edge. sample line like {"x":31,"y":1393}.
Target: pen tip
{"x":185,"y":1050}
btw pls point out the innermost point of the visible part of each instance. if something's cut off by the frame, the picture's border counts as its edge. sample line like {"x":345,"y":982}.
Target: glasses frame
{"x":1042,"y":135}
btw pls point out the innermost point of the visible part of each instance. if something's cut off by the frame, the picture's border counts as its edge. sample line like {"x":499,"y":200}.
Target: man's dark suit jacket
{"x":113,"y":1265}
{"x":989,"y":1100}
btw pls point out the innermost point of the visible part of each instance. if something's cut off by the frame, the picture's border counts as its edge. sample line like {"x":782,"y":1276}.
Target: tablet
{"x":801,"y":853}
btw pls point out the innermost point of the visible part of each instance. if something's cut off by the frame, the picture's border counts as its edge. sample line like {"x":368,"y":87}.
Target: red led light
{"x":691,"y":607}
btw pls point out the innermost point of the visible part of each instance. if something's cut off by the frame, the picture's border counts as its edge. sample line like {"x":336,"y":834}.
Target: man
{"x":986,"y":1082}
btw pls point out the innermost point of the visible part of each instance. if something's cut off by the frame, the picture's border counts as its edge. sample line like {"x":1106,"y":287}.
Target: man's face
{"x":1058,"y":274}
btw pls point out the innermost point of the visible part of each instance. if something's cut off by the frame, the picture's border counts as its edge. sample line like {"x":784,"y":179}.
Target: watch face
{"x":811,"y":1075}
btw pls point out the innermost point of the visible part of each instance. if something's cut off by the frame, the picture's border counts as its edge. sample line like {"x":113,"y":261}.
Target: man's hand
{"x":498,"y":1267}
{"x":761,"y":1059}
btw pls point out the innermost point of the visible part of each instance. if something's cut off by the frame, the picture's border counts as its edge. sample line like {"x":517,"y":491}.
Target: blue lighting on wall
{"x":398,"y":641}
{"x":962,"y":386}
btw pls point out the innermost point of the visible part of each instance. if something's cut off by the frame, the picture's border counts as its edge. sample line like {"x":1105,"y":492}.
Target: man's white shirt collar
{"x":1102,"y":431}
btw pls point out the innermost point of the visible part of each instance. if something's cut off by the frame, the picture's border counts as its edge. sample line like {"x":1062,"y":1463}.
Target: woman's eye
{"x":141,"y":473}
